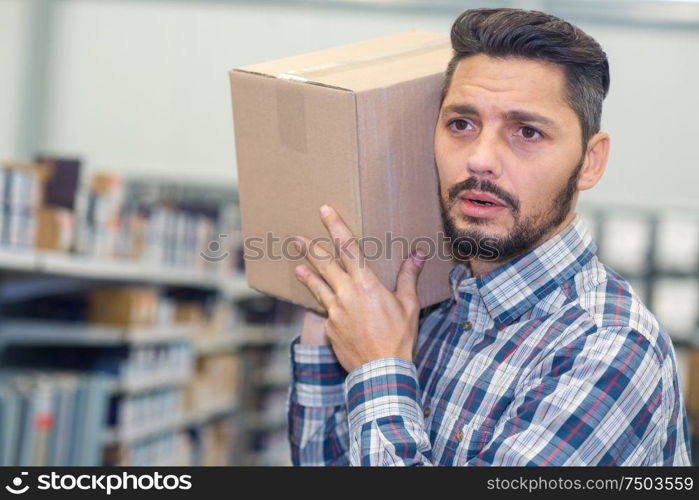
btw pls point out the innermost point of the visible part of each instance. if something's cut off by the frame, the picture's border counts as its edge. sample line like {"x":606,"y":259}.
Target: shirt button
{"x":459,"y":436}
{"x":427,"y":412}
{"x":467,"y":325}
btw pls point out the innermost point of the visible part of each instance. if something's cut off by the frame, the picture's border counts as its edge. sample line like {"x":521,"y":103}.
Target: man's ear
{"x":595,"y":160}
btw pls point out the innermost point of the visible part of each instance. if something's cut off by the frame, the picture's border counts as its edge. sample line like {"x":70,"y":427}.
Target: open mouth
{"x":482,"y":202}
{"x":481,"y":199}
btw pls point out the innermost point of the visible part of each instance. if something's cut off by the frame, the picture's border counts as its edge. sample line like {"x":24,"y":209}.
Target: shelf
{"x":271,"y":459}
{"x":262,"y":421}
{"x":143,"y":384}
{"x":236,"y":287}
{"x":276,"y":380}
{"x":264,"y":334}
{"x":66,"y":333}
{"x":59,"y":263}
{"x":46,"y":332}
{"x":274,"y":458}
{"x":122,"y":270}
{"x":685,"y":343}
{"x":203,"y":416}
{"x":19,"y":259}
{"x":112,"y":436}
{"x":157,"y":427}
{"x":217,"y":344}
{"x":244,"y":335}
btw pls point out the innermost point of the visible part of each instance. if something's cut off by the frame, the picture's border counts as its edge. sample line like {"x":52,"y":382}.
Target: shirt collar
{"x":515,"y":287}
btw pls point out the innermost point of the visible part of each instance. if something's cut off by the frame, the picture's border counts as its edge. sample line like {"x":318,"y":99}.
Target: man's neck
{"x":482,"y":267}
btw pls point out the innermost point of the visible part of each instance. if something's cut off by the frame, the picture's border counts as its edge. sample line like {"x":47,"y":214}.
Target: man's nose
{"x":484,"y":155}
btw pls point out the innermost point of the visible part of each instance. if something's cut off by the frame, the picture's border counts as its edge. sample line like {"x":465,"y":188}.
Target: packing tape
{"x":326,"y":69}
{"x":291,"y":117}
{"x":291,"y":104}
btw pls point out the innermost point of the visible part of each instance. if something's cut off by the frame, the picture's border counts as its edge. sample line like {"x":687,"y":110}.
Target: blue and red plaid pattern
{"x":550,"y":359}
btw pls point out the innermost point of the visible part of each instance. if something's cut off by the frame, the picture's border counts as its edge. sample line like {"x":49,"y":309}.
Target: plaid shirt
{"x":550,"y":359}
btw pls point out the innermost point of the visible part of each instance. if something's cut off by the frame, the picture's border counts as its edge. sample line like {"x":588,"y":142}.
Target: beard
{"x":526,"y":232}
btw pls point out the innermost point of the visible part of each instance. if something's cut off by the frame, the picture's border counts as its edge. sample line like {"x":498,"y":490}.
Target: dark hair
{"x":535,"y":35}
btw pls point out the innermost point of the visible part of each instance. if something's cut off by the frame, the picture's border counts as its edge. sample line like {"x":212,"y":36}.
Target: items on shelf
{"x":625,"y":240}
{"x":51,"y":418}
{"x":677,"y":243}
{"x":143,"y":366}
{"x":19,"y":195}
{"x":146,"y":413}
{"x":263,"y":395}
{"x":99,"y":205}
{"x":675,"y":303}
{"x":168,"y":449}
{"x":214,"y":384}
{"x":55,"y":209}
{"x":51,"y":204}
{"x":217,"y":440}
{"x":127,"y":306}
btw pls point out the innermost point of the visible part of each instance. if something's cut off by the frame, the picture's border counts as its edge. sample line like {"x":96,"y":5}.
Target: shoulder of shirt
{"x":611,"y":305}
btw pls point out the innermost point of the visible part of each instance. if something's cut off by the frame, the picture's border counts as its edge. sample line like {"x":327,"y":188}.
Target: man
{"x":543,"y":355}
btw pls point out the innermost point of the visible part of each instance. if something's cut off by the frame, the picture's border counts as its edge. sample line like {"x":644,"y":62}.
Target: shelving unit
{"x":25,"y":332}
{"x":257,"y":411}
{"x":34,"y":333}
{"x":192,"y":419}
{"x":126,"y":436}
{"x":18,"y":260}
{"x":79,"y":267}
{"x":142,"y":384}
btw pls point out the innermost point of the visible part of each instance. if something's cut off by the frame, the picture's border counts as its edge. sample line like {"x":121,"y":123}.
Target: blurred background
{"x":127,"y":333}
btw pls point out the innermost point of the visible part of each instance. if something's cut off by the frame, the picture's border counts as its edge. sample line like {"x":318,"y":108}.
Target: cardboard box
{"x":123,"y":306}
{"x":49,"y":203}
{"x":189,"y":312}
{"x":352,"y":127}
{"x":54,"y":228}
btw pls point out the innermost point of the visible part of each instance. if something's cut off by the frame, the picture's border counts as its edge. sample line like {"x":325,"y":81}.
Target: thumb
{"x":406,"y":283}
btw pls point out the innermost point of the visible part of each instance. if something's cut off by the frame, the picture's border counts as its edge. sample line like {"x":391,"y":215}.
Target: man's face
{"x":506,"y":134}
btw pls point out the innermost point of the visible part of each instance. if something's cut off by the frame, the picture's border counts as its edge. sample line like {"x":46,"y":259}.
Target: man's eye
{"x":530,"y":133}
{"x":459,"y":125}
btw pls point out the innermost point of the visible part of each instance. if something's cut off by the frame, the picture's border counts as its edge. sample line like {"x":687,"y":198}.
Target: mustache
{"x":482,"y":185}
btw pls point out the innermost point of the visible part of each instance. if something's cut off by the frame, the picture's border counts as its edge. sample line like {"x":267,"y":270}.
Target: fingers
{"x":406,"y":283}
{"x":323,"y":261}
{"x":345,"y":242}
{"x":315,"y":284}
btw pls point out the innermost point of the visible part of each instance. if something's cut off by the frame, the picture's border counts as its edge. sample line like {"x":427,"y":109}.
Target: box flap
{"x":366,"y":65}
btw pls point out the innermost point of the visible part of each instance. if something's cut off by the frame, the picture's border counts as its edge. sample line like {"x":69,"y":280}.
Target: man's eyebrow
{"x":461,"y":109}
{"x":528,"y":116}
{"x":514,"y":115}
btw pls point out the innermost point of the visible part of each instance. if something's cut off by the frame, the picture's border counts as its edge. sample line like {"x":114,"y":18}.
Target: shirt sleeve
{"x":386,"y":422}
{"x":600,"y":400}
{"x":317,"y":412}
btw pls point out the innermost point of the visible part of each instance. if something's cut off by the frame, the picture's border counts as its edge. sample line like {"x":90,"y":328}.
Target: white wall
{"x":13,"y":37}
{"x":146,"y":86}
{"x":651,"y":115}
{"x":142,"y":86}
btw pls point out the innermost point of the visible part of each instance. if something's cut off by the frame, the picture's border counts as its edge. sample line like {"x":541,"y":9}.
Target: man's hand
{"x":365,"y":320}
